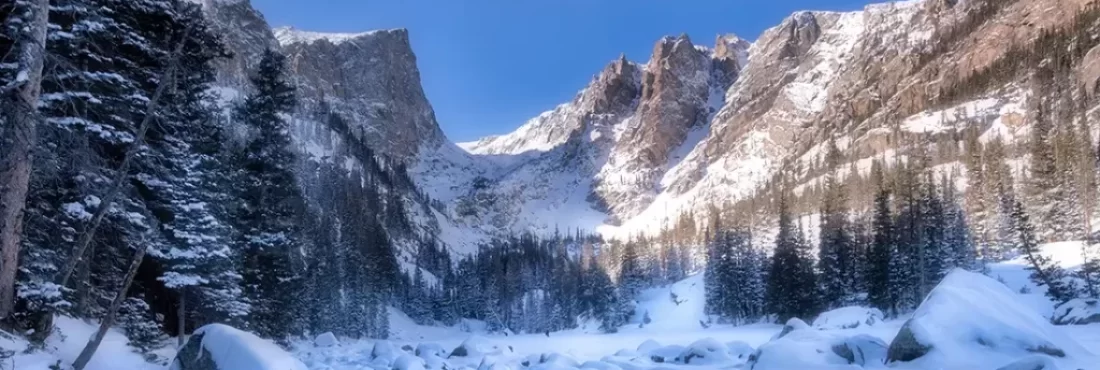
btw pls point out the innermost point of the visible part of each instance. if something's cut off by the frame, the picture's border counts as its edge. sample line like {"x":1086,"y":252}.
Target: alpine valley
{"x":908,"y":186}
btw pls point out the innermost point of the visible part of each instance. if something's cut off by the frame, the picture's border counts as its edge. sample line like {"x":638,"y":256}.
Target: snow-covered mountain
{"x":871,"y":79}
{"x":693,"y":126}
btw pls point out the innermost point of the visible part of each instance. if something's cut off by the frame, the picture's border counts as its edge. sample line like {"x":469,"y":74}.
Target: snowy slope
{"x":682,"y":314}
{"x":65,"y":345}
{"x":1014,"y":274}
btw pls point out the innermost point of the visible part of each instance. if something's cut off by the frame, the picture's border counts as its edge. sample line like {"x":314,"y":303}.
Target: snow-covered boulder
{"x":707,"y":351}
{"x":1080,"y":311}
{"x":478,"y":346}
{"x":326,"y":340}
{"x":432,"y":349}
{"x":848,"y":318}
{"x":1033,"y":362}
{"x":492,"y":363}
{"x":433,"y":362}
{"x":383,"y":350}
{"x":220,"y":347}
{"x":648,"y":346}
{"x":739,"y":349}
{"x":559,"y":360}
{"x":409,"y":362}
{"x":970,"y":321}
{"x":861,"y":349}
{"x":665,"y":354}
{"x":626,"y":352}
{"x":599,"y":365}
{"x":792,"y":324}
{"x":808,"y":348}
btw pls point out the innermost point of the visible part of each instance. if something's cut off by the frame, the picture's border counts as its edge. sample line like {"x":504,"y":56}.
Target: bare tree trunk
{"x":181,"y":320}
{"x":21,"y":111}
{"x":151,"y":109}
{"x":112,"y":312}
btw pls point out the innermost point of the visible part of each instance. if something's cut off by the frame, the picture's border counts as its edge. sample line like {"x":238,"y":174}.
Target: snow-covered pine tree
{"x":1069,"y":148}
{"x":634,"y":277}
{"x":271,"y":204}
{"x":198,"y":263}
{"x":937,"y":254}
{"x":791,"y":285}
{"x":880,"y":292}
{"x":742,"y":278}
{"x":1044,"y":187}
{"x":1000,"y":196}
{"x":957,"y":237}
{"x":836,"y":251}
{"x":1044,"y":272}
{"x":90,"y":113}
{"x":712,"y":282}
{"x":1089,"y":273}
{"x":977,"y":206}
{"x":907,"y":277}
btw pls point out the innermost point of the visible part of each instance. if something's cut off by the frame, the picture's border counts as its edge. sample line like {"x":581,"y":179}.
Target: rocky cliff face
{"x":682,"y":87}
{"x":372,"y":79}
{"x":246,"y":34}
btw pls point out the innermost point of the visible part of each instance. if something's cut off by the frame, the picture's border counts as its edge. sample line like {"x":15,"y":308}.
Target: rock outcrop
{"x":373,"y":81}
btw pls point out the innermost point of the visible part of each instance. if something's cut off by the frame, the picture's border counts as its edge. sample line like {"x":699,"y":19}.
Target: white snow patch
{"x":291,"y":35}
{"x":848,"y":318}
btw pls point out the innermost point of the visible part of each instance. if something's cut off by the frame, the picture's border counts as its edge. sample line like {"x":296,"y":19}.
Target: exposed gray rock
{"x":905,"y":346}
{"x":373,"y":81}
{"x":246,"y":34}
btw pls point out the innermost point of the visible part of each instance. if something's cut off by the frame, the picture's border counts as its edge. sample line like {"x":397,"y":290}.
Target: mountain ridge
{"x":692,"y":126}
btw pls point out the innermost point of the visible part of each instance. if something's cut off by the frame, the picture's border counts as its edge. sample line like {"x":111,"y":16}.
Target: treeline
{"x":889,"y":257}
{"x":524,"y":284}
{"x":151,"y":207}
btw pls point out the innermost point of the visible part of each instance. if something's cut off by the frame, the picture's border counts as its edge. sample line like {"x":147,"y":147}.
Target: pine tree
{"x":271,"y":203}
{"x":957,"y":238}
{"x":791,"y":284}
{"x":199,"y":263}
{"x":1044,"y":272}
{"x":1044,"y":188}
{"x":837,"y":247}
{"x":634,"y":274}
{"x":882,"y":253}
{"x":908,"y":278}
{"x":937,"y":254}
{"x":976,"y":190}
{"x":1000,"y":193}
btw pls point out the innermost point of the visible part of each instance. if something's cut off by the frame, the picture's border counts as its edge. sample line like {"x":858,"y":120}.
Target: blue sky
{"x":489,"y":65}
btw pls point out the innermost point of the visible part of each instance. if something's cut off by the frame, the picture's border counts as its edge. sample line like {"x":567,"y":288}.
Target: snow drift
{"x":848,"y":318}
{"x":1079,"y":311}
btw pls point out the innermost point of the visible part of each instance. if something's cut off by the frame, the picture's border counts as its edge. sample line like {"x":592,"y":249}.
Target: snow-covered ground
{"x":674,"y":330}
